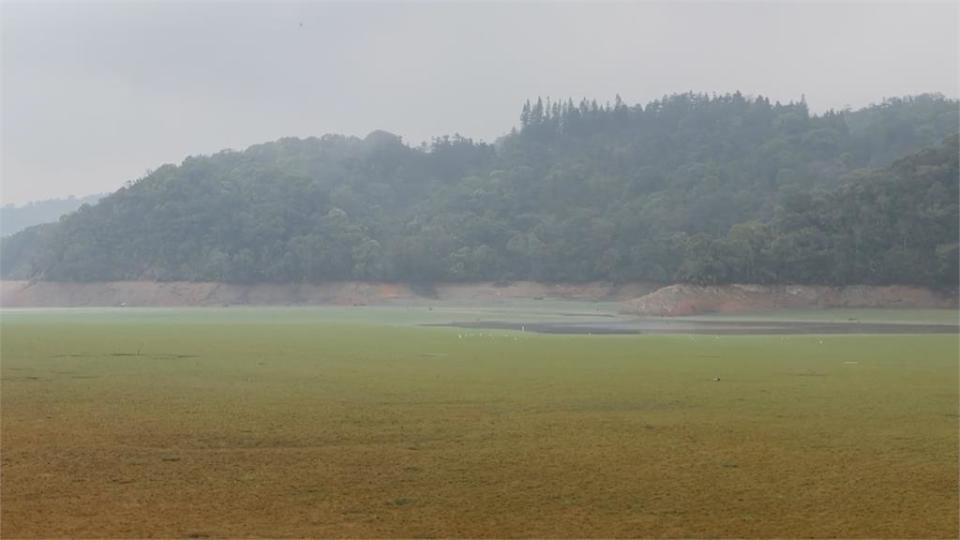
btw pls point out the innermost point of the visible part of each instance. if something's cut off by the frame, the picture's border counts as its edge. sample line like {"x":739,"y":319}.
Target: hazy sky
{"x":93,"y":94}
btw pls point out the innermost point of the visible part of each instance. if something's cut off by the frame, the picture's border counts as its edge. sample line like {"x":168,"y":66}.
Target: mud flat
{"x":669,"y":326}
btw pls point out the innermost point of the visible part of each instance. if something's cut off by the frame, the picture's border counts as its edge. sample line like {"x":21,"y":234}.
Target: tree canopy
{"x":689,"y":188}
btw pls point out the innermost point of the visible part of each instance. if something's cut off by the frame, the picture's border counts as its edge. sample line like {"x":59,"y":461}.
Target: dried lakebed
{"x":359,"y":423}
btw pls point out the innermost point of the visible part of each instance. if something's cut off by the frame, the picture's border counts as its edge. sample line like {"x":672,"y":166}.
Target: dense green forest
{"x":689,"y":188}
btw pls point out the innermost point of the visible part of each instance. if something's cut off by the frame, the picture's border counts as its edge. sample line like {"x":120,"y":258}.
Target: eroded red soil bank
{"x":637,"y":298}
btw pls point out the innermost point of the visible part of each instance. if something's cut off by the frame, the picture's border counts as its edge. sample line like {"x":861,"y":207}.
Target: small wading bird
{"x":716,"y":379}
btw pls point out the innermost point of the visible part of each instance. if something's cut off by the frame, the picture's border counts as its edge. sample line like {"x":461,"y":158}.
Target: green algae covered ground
{"x":359,"y":423}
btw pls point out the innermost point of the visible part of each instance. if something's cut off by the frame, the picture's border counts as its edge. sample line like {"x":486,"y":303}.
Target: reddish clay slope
{"x":677,"y":300}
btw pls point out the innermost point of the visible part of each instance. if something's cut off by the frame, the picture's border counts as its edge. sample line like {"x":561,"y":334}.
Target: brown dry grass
{"x":298,"y":430}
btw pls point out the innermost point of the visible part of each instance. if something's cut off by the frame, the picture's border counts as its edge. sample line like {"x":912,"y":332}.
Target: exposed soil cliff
{"x":637,"y":298}
{"x":144,"y":293}
{"x":677,"y":300}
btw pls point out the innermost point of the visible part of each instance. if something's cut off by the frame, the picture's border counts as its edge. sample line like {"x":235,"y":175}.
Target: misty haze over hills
{"x":241,"y":73}
{"x":15,"y":218}
{"x":479,"y":269}
{"x":690,"y":188}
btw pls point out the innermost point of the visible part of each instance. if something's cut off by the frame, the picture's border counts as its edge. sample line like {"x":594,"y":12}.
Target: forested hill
{"x":14,"y":219}
{"x":690,"y":188}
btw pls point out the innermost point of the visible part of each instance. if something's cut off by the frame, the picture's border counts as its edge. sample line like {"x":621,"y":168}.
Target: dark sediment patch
{"x":155,"y":356}
{"x":709,"y":327}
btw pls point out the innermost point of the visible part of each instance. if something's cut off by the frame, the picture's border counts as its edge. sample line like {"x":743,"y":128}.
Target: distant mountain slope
{"x":689,"y":188}
{"x":14,"y":219}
